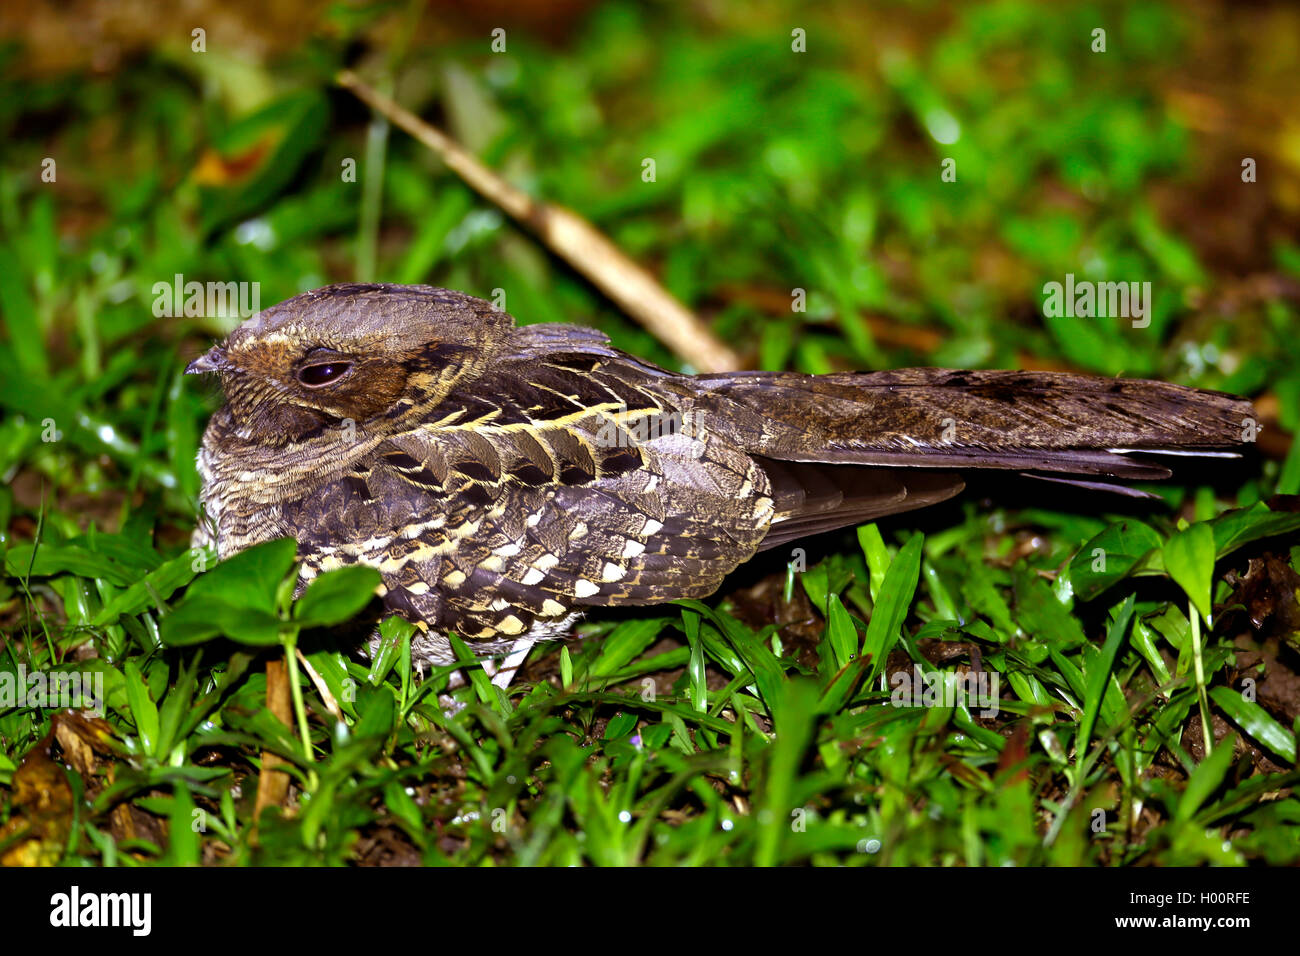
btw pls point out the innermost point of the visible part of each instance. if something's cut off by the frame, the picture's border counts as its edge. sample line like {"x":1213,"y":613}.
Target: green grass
{"x":756,"y":727}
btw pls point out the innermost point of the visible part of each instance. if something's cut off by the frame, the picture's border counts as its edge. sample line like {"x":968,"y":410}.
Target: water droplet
{"x":943,"y":126}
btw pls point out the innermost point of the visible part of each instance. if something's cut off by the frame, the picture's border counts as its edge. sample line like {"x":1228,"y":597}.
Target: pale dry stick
{"x":273,"y":784}
{"x":583,"y":246}
{"x":322,"y":688}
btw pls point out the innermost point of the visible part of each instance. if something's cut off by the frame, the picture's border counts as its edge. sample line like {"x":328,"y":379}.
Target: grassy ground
{"x":764,"y":725}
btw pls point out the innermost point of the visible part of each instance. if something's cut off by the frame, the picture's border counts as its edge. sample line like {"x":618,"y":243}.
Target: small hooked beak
{"x":213,"y":360}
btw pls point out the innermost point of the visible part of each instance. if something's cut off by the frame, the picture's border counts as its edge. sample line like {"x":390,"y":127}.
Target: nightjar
{"x":503,"y":480}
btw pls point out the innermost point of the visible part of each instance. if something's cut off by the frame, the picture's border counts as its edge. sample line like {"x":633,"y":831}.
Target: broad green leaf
{"x":1256,"y":722}
{"x":756,"y":655}
{"x":1232,"y":529}
{"x":1144,"y":642}
{"x":59,"y":558}
{"x":1099,"y":673}
{"x":143,"y":709}
{"x":796,"y":706}
{"x":1189,"y":559}
{"x":332,"y":667}
{"x":895,"y":598}
{"x":978,"y":586}
{"x":1288,"y":481}
{"x":566,"y":668}
{"x":841,"y":633}
{"x":478,"y":678}
{"x":877,"y":555}
{"x":378,"y":710}
{"x":201,"y":618}
{"x":1041,"y":614}
{"x":336,"y":596}
{"x":828,"y":577}
{"x":620,"y":725}
{"x":183,"y":848}
{"x":842,"y":685}
{"x":624,"y":643}
{"x":176,"y":705}
{"x":724,"y":625}
{"x":699,"y":687}
{"x":393,"y":631}
{"x":1070,"y":671}
{"x":1122,"y":549}
{"x":21,"y":319}
{"x":250,"y":578}
{"x":156,"y":586}
{"x":402,"y":806}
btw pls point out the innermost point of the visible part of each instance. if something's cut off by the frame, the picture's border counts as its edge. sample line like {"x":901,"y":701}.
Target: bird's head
{"x":350,"y":353}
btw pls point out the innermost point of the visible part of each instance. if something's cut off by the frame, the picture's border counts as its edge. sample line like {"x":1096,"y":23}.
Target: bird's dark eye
{"x":314,"y":376}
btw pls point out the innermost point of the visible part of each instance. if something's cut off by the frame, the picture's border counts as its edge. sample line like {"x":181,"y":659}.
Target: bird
{"x":504,"y":480}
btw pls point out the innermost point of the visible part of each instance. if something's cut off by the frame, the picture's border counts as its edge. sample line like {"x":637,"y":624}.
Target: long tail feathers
{"x":1026,"y":421}
{"x":811,"y":498}
{"x":1075,"y":429}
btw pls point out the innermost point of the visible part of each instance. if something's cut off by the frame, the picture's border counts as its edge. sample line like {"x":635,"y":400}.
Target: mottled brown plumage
{"x":504,"y":479}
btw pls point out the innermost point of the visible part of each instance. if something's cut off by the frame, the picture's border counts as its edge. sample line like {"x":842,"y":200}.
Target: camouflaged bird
{"x":503,"y":480}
